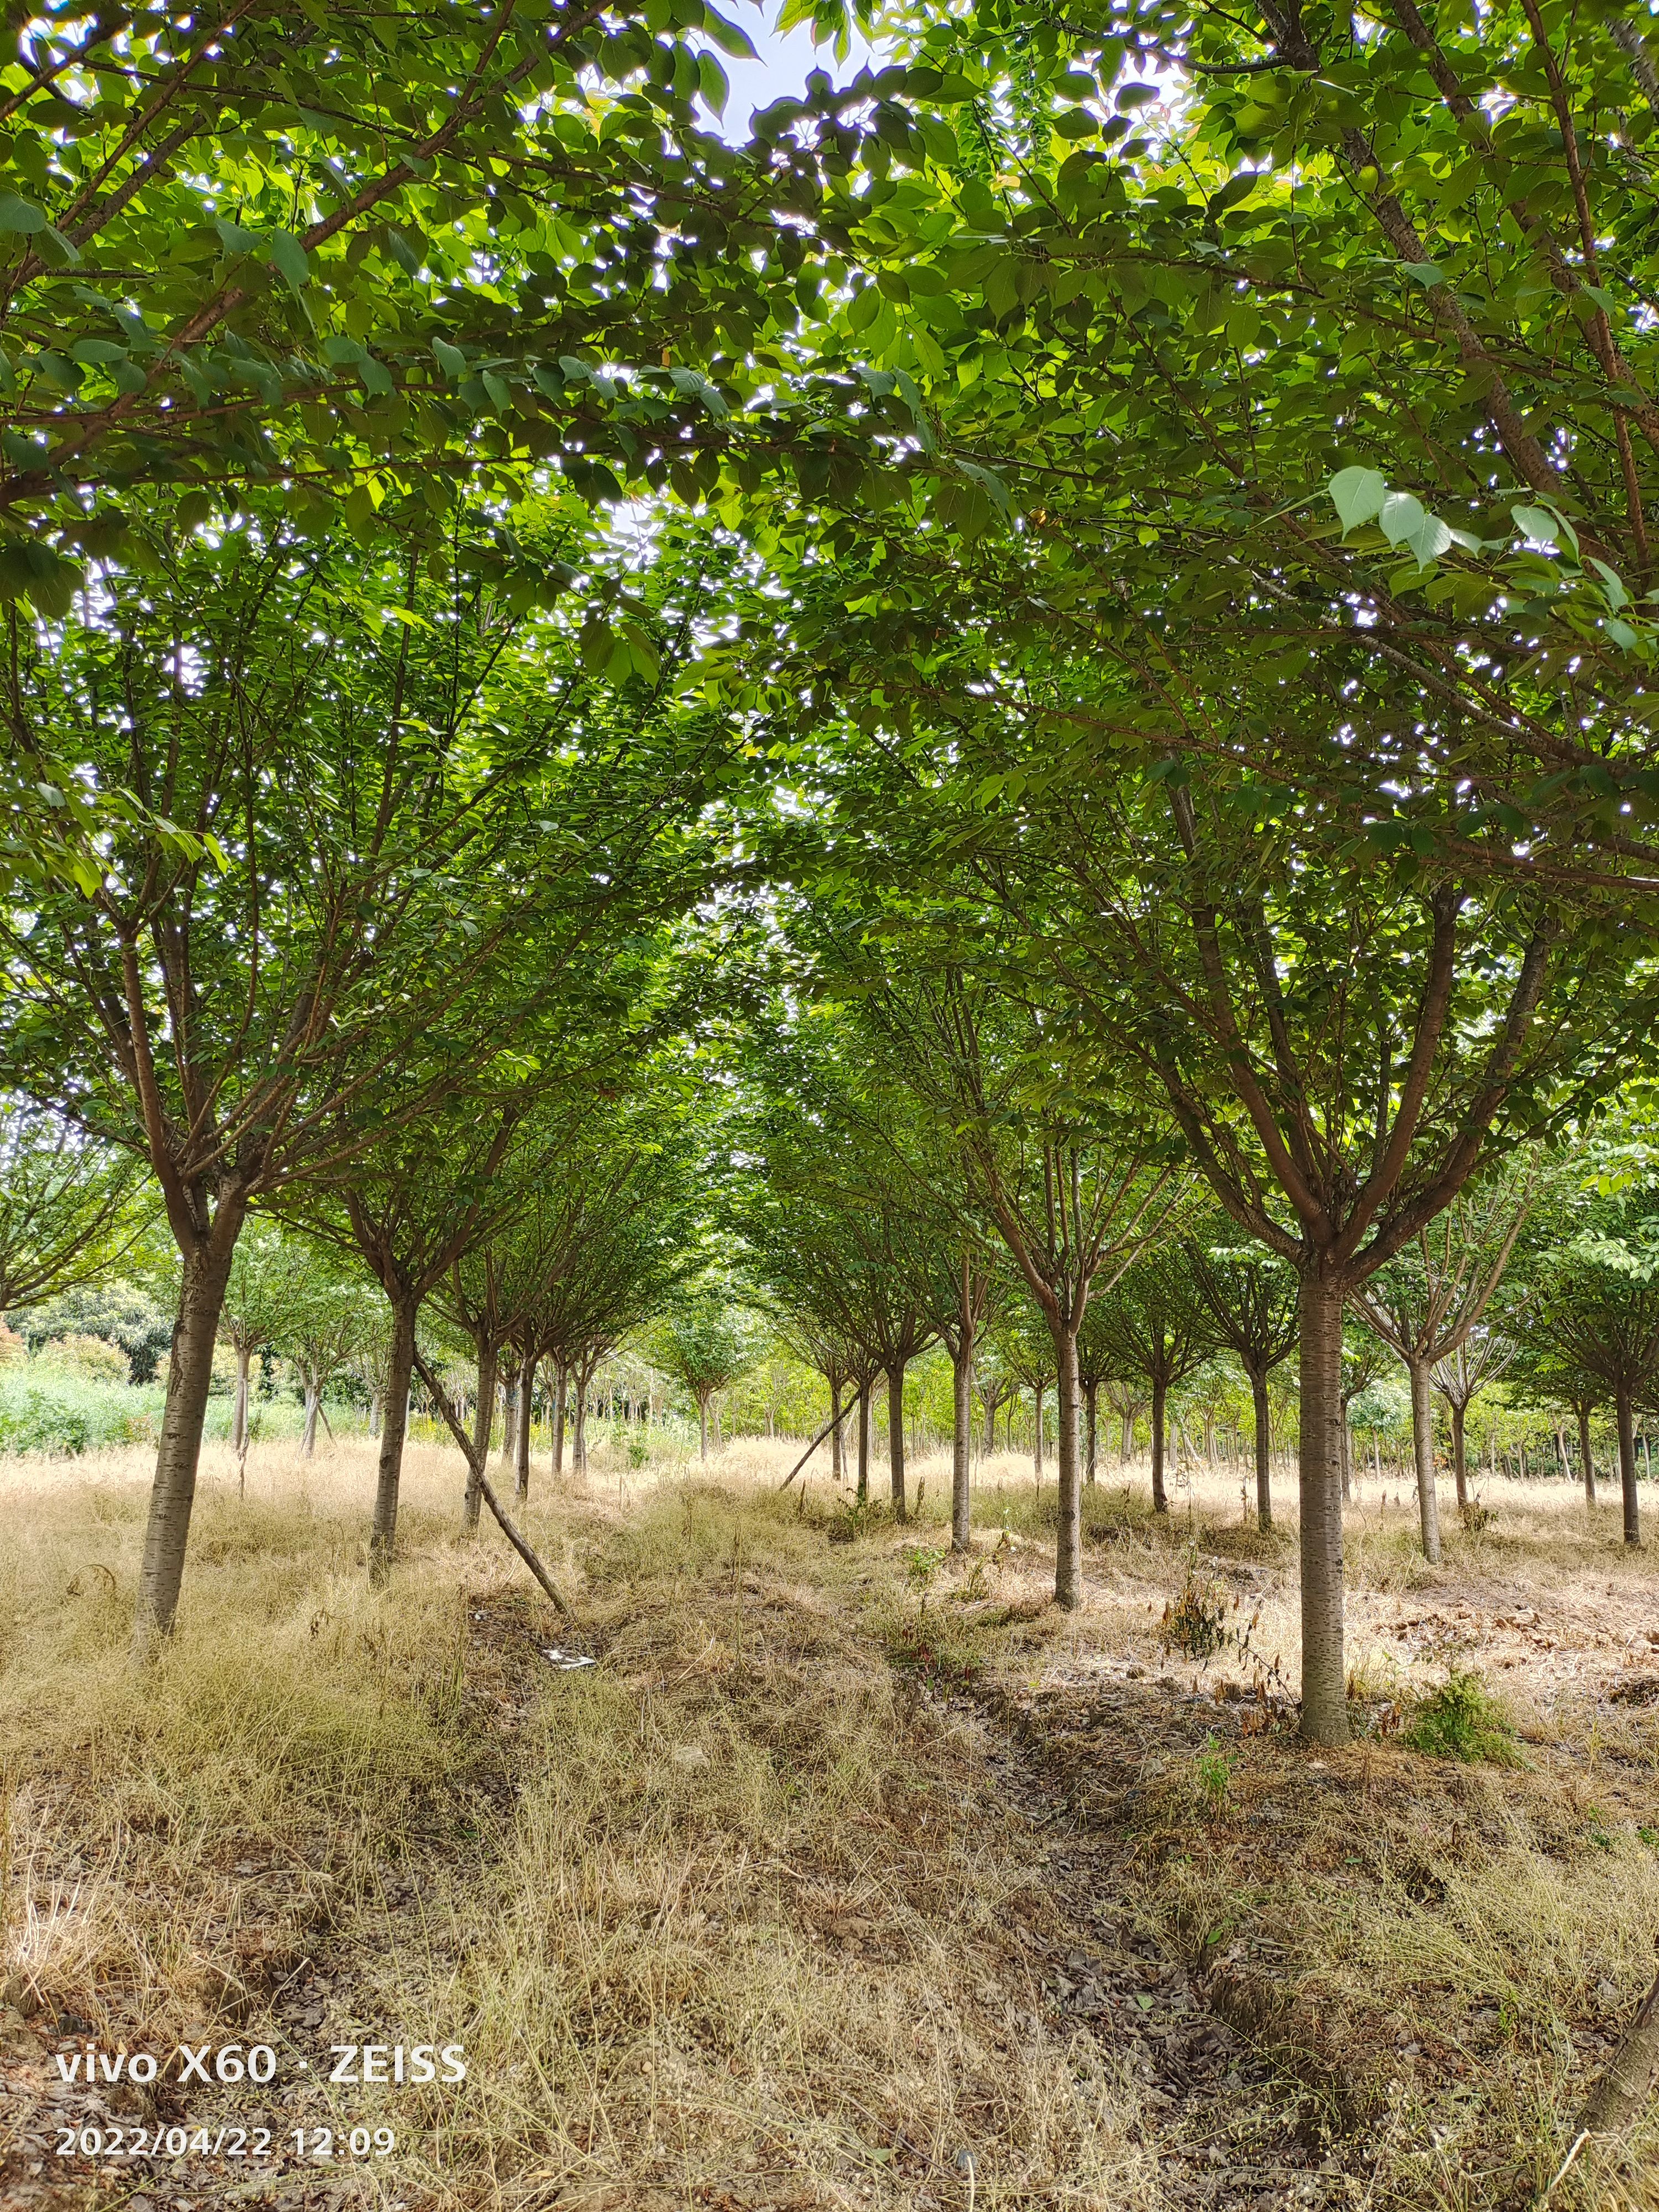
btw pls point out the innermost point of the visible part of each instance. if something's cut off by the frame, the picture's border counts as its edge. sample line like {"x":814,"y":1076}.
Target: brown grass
{"x":773,"y":1905}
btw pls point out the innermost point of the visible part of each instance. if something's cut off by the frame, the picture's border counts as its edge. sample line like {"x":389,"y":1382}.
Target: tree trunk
{"x":895,"y":1437}
{"x":1627,"y":1468}
{"x":578,"y":1427}
{"x":1091,"y":1432}
{"x":1460,"y":1414}
{"x":1160,"y":1503}
{"x":1126,"y":1439}
{"x":991,"y":1408}
{"x":1264,"y":1438}
{"x":238,"y":1412}
{"x":1036,"y":1448}
{"x":400,"y":1365}
{"x":1068,"y":1541}
{"x":560,"y":1406}
{"x":837,"y":1456}
{"x":864,"y":1444}
{"x":205,"y":1274}
{"x":961,"y":1503}
{"x":521,"y":1440}
{"x":702,"y":1425}
{"x":1428,"y":1502}
{"x":510,"y":1413}
{"x":308,"y":1434}
{"x":483,"y":1421}
{"x":1342,"y":1438}
{"x":1324,"y":1684}
{"x":376,"y":1402}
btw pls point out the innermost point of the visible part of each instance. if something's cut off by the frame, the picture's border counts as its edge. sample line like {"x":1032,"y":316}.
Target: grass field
{"x":849,"y":1875}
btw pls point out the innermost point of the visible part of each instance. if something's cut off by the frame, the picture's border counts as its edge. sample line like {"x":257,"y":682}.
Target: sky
{"x":784,"y":65}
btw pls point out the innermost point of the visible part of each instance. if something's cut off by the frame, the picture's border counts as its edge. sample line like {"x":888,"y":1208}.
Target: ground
{"x":849,"y":1875}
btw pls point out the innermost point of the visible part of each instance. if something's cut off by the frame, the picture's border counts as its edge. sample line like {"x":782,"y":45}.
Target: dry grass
{"x":772,"y":1907}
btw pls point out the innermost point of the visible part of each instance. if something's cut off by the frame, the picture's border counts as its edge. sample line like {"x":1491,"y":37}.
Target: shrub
{"x":49,"y":1409}
{"x":92,"y":1358}
{"x":1460,"y":1721}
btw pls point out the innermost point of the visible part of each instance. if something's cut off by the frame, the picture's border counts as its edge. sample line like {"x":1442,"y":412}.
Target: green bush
{"x":45,"y":1408}
{"x":1460,"y":1721}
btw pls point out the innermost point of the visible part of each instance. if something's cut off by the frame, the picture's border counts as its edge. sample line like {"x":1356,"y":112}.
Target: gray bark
{"x":896,"y":1437}
{"x":1264,"y":1439}
{"x":1324,"y":1682}
{"x":400,"y":1364}
{"x":1068,"y":1542}
{"x":961,"y":1502}
{"x":205,"y":1275}
{"x":1627,"y":1468}
{"x":1428,"y":1500}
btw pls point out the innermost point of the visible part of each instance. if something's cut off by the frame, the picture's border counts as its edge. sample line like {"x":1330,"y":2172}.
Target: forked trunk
{"x":238,"y":1412}
{"x":400,"y":1365}
{"x":1324,"y":1685}
{"x":560,"y":1406}
{"x":1428,"y":1500}
{"x":1160,"y":1503}
{"x":1091,"y":1442}
{"x":961,"y":1502}
{"x":1459,"y":1454}
{"x":308,"y":1434}
{"x":1264,"y":1438}
{"x":1068,"y":1541}
{"x":204,"y":1276}
{"x":895,"y":1437}
{"x":521,"y":1440}
{"x":483,"y":1421}
{"x":1627,"y":1468}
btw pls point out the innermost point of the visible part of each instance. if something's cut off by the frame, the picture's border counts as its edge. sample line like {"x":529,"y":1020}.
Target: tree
{"x":1601,"y":1300}
{"x":1073,"y":1180}
{"x":1268,"y":292}
{"x":69,"y":1206}
{"x":1251,"y":1299}
{"x":703,"y":1342}
{"x":322,"y":295}
{"x":271,"y":1279}
{"x":338,"y":1323}
{"x":1424,"y":1303}
{"x":1485,"y":1355}
{"x":378,"y":862}
{"x":1152,"y":1324}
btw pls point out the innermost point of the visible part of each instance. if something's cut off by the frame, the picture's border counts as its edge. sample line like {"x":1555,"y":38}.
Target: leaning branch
{"x":833,"y":1422}
{"x":439,"y":1398}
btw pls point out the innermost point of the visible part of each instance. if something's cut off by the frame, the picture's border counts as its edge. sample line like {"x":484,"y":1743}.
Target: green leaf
{"x":711,"y":79}
{"x":450,"y":359}
{"x":287,"y":258}
{"x":728,"y":37}
{"x":1401,"y":517}
{"x":1537,"y":523}
{"x":1612,"y":585}
{"x":21,"y":215}
{"x":1358,"y":495}
{"x":596,"y":642}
